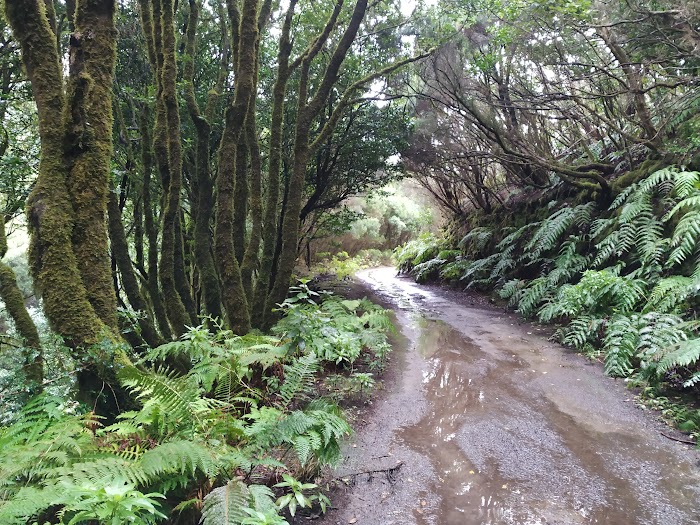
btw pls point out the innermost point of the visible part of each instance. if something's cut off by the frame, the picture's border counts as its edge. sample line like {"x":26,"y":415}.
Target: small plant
{"x":297,"y":496}
{"x":364,"y":381}
{"x":113,"y":504}
{"x":255,"y":517}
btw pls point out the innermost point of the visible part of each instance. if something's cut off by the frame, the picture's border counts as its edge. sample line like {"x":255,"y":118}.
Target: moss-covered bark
{"x":269,"y":230}
{"x":14,"y":303}
{"x":182,"y":279}
{"x":250,"y":259}
{"x":151,"y":229}
{"x":158,"y":16}
{"x":50,"y":212}
{"x":75,"y":136}
{"x":204,"y":206}
{"x":233,"y":294}
{"x":306,"y":113}
{"x":241,"y":191}
{"x":89,"y":123}
{"x":120,"y":251}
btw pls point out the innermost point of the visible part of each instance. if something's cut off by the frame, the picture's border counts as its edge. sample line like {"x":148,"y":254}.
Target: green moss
{"x":14,"y":303}
{"x":645,"y":169}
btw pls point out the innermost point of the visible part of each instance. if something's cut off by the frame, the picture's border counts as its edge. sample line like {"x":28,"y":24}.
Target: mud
{"x":496,"y":425}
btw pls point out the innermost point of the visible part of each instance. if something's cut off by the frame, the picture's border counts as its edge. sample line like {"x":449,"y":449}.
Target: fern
{"x":582,"y":331}
{"x":170,"y":399}
{"x":685,"y":238}
{"x":299,"y":379}
{"x":620,"y":344}
{"x":684,"y":354}
{"x":659,"y":332}
{"x":554,"y":226}
{"x":535,"y":293}
{"x":225,"y":505}
{"x":479,"y":268}
{"x":428,"y":270}
{"x":474,"y":242}
{"x":512,"y":291}
{"x":455,"y":269}
{"x":670,"y":293}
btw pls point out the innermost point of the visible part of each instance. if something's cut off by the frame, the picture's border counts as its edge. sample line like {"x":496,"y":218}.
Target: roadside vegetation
{"x":229,"y":427}
{"x":622,"y":283}
{"x":560,"y":142}
{"x":168,"y":169}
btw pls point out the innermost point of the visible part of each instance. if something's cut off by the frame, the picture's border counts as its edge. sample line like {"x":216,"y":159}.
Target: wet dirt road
{"x":494,"y":424}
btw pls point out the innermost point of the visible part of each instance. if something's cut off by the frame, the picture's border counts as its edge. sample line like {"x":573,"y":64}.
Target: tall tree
{"x":66,"y":210}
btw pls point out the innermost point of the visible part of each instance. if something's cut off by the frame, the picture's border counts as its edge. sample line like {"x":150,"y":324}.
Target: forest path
{"x":495,"y":424}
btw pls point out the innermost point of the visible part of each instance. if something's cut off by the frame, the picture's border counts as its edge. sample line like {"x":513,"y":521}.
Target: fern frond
{"x":685,"y":184}
{"x":535,"y":293}
{"x":174,"y":398}
{"x":685,"y":238}
{"x":671,"y":292}
{"x":620,"y":343}
{"x":554,"y":226}
{"x":224,"y":505}
{"x":581,"y":331}
{"x":684,"y":354}
{"x":299,"y":379}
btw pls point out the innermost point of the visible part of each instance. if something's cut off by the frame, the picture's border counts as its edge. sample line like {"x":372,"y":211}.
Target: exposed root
{"x":391,"y":474}
{"x":679,"y":440}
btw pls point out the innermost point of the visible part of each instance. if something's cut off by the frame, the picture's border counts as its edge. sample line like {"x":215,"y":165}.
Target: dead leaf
{"x":423,"y":503}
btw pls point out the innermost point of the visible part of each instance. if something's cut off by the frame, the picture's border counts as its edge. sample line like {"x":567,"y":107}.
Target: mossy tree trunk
{"x":152,"y":284}
{"x":69,"y":257}
{"x":89,"y":123}
{"x":233,"y":294}
{"x":269,"y":229}
{"x":158,"y":24}
{"x":14,"y":303}
{"x":309,"y":109}
{"x":120,"y":251}
{"x":204,"y":206}
{"x":82,"y":317}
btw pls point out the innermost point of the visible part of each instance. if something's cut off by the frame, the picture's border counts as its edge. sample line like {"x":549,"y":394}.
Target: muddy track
{"x":494,"y":424}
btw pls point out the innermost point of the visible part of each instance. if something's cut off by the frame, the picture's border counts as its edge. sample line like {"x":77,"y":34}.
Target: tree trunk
{"x":204,"y":206}
{"x":120,"y":252}
{"x":234,"y":299}
{"x":14,"y":303}
{"x":306,"y":113}
{"x":51,"y":218}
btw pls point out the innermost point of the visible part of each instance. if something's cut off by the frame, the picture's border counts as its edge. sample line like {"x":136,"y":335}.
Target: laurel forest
{"x":175,"y":174}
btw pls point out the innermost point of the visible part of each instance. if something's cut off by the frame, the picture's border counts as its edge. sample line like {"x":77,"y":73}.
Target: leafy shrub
{"x":242,"y":406}
{"x":623,"y":281}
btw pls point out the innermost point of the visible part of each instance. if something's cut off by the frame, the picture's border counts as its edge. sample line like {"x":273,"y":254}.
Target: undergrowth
{"x":623,"y":281}
{"x":231,"y":440}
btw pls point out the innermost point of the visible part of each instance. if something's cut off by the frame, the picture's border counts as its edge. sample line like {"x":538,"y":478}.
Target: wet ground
{"x":490,"y":423}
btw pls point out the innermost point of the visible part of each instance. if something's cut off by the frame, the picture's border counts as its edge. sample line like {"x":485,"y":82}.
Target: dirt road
{"x":494,"y":424}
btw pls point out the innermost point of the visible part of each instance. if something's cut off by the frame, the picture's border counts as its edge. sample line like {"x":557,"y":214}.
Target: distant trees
{"x":575,"y":92}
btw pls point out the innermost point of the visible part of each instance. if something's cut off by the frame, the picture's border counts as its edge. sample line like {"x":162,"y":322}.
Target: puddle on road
{"x":504,"y":457}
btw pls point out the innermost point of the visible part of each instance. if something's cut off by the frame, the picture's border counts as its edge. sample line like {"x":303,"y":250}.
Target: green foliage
{"x":297,"y":496}
{"x":336,"y":330}
{"x":235,"y":503}
{"x":418,"y":251}
{"x":112,"y":504}
{"x":623,"y":282}
{"x":240,"y":404}
{"x":549,"y":232}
